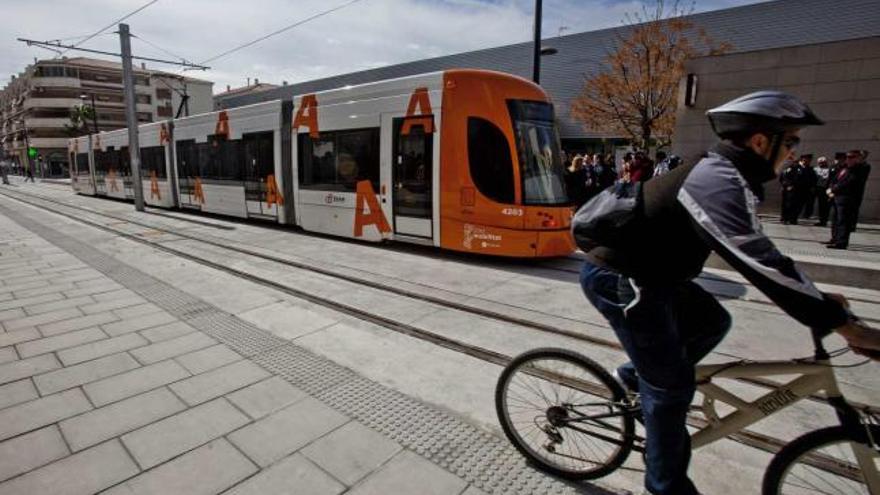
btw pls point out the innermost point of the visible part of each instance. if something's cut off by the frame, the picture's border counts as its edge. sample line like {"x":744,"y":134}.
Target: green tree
{"x":80,"y":118}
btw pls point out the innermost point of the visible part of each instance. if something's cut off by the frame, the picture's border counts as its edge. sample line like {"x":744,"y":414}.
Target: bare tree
{"x":636,"y":94}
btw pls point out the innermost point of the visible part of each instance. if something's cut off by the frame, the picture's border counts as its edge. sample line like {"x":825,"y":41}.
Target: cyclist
{"x":665,"y":321}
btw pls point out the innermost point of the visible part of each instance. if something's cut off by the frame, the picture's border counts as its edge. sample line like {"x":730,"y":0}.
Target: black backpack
{"x":611,"y":219}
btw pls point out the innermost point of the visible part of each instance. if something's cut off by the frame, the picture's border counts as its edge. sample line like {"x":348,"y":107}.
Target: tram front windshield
{"x":537,"y":142}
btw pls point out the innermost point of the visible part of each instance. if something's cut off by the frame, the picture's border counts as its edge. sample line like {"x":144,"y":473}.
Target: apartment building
{"x":35,"y":106}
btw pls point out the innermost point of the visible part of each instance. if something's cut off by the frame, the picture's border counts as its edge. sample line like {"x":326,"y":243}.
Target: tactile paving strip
{"x":486,"y":461}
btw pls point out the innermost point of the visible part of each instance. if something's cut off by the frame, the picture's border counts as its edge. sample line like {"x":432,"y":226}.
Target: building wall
{"x":37,"y":103}
{"x":840,"y":81}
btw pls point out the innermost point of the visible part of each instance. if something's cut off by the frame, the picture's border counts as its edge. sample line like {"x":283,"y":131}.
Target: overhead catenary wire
{"x":163,"y":50}
{"x":111,"y":25}
{"x":279,"y":31}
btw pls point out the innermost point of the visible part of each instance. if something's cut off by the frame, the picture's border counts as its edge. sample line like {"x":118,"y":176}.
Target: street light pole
{"x":536,"y":48}
{"x":134,"y":151}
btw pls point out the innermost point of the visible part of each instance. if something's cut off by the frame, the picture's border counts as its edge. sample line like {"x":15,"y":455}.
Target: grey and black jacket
{"x":711,"y":206}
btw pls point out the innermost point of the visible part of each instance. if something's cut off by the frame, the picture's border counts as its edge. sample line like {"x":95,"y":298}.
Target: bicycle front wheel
{"x":825,"y":461}
{"x":565,"y":413}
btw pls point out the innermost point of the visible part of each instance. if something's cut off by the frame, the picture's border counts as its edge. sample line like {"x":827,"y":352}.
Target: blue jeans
{"x":665,"y":330}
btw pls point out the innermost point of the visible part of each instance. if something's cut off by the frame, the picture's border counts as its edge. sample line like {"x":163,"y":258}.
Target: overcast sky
{"x":366,"y":34}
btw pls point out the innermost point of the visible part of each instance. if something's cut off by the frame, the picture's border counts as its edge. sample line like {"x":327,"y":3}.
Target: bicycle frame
{"x":813,"y":376}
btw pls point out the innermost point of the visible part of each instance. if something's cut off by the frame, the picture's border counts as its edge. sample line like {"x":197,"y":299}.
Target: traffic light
{"x":32,"y":152}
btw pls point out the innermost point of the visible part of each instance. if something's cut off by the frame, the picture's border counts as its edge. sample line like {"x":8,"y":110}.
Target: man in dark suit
{"x":845,"y":193}
{"x":861,"y":170}
{"x":789,"y":179}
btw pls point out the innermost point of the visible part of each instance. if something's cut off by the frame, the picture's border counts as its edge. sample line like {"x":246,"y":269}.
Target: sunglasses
{"x":791,"y":142}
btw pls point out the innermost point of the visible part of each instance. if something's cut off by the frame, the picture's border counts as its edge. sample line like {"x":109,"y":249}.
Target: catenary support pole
{"x":536,"y":49}
{"x":134,"y":150}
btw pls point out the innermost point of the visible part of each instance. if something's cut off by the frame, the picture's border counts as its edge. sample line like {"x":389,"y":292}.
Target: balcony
{"x":56,"y":82}
{"x":32,"y":123}
{"x":51,"y":102}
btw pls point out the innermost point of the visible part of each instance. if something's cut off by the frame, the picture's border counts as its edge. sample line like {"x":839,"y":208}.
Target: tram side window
{"x":82,"y":163}
{"x":123,"y":162}
{"x":489,"y":159}
{"x":337,"y":161}
{"x":153,"y":160}
{"x":220,"y":159}
{"x":104,"y":160}
{"x":187,"y":158}
{"x":259,"y":154}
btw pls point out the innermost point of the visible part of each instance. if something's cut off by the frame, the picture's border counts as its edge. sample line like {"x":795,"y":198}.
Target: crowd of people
{"x":587,"y":175}
{"x":833,"y":190}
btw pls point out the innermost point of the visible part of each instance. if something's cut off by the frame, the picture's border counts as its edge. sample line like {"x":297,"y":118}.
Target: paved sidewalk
{"x":113,"y":380}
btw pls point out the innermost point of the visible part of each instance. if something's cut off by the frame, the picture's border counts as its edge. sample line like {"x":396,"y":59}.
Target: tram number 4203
{"x":512,"y":212}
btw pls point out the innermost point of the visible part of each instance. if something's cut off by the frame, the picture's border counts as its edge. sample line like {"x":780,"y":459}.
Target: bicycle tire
{"x":783,"y":462}
{"x":602,"y":379}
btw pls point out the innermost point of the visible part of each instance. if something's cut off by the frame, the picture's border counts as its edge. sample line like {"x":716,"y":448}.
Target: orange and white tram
{"x":466,"y":160}
{"x":112,"y":164}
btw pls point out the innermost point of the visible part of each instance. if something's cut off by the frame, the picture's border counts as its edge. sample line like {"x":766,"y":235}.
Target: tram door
{"x":411,"y":178}
{"x":259,"y":163}
{"x":187,"y":169}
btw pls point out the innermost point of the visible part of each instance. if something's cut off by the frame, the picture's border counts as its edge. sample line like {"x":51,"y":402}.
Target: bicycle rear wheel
{"x":824,"y":461}
{"x":565,"y":413}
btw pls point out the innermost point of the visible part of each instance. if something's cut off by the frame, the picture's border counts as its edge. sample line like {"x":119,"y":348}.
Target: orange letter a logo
{"x":367,"y":197}
{"x":273,"y":195}
{"x":154,"y":186}
{"x":424,"y":117}
{"x":307,"y":115}
{"x":198,"y":194}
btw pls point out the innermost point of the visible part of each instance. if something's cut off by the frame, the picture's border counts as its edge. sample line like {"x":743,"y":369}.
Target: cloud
{"x":367,"y":34}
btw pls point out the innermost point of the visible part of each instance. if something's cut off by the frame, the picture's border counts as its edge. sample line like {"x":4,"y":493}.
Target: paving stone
{"x":48,"y":289}
{"x":138,"y":323}
{"x":134,"y":382}
{"x":111,"y":305}
{"x":92,"y":287}
{"x":87,"y":274}
{"x":409,"y":473}
{"x":207,"y":470}
{"x":7,"y":354}
{"x":35,"y":414}
{"x":208,"y":359}
{"x":173,"y":347}
{"x":12,"y":314}
{"x":286,"y":431}
{"x":266,"y":397}
{"x":41,"y":319}
{"x":158,"y":442}
{"x":100,"y":348}
{"x":87,"y":472}
{"x":351,"y":452}
{"x":13,"y":285}
{"x":10,"y":338}
{"x":167,"y":332}
{"x":90,"y":371}
{"x":24,"y":368}
{"x":17,"y":392}
{"x":32,"y":450}
{"x":121,"y":293}
{"x":220,"y":381}
{"x":63,"y":341}
{"x":293,"y":475}
{"x":118,"y":418}
{"x":76,"y":323}
{"x":36,"y":309}
{"x":25,"y":300}
{"x":5,"y":296}
{"x":139,"y":310}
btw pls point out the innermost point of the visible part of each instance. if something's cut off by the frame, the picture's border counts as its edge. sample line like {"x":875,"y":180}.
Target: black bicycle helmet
{"x":771,"y":112}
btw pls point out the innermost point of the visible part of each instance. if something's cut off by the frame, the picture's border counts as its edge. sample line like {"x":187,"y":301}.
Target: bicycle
{"x":566,"y":414}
